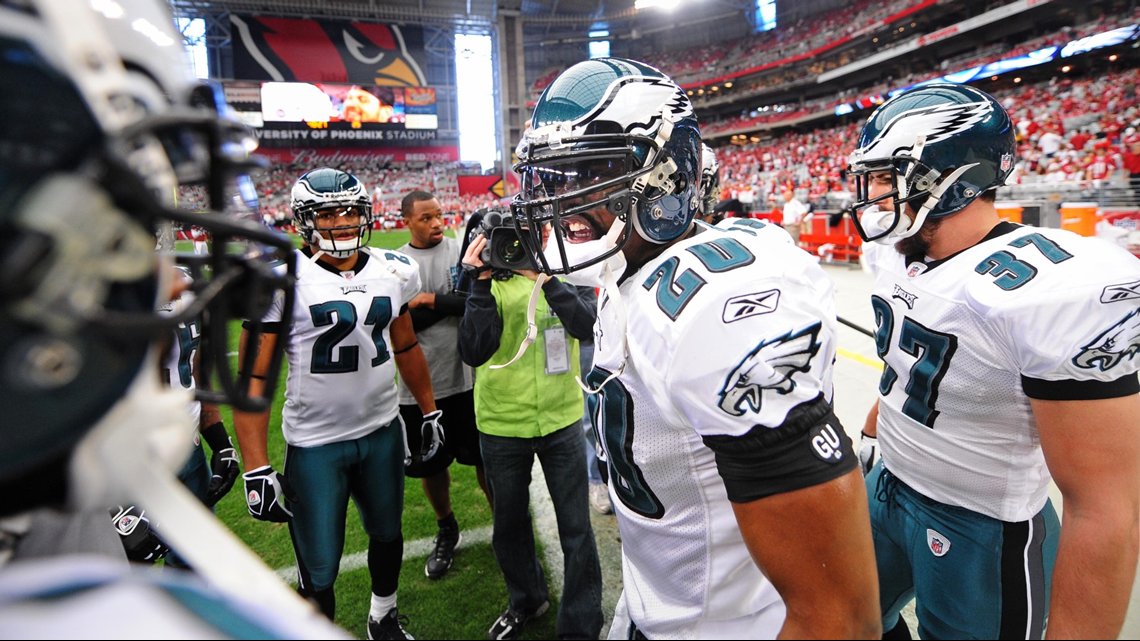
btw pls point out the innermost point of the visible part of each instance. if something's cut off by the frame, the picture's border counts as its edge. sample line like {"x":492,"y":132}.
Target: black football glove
{"x":868,"y":447}
{"x":431,"y":435}
{"x":224,"y":463}
{"x":139,"y":540}
{"x":265,"y":490}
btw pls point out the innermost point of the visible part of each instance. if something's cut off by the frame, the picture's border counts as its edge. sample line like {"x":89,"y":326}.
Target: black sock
{"x":325,"y":600}
{"x":384,"y":560}
{"x":898,"y":633}
{"x":448,"y":522}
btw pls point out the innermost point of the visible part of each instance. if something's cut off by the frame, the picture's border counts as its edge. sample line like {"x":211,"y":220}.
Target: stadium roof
{"x":570,"y":15}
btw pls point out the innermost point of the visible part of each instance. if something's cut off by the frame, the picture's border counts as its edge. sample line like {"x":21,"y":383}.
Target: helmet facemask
{"x":324,"y":238}
{"x":626,"y":174}
{"x":943,"y":146}
{"x":322,"y":191}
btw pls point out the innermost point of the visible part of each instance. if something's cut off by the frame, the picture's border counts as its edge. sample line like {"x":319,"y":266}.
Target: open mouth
{"x":580,"y":229}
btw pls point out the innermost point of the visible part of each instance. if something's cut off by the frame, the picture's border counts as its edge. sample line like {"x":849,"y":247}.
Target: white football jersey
{"x":1026,"y":311}
{"x":342,"y":376}
{"x":727,"y":331}
{"x":178,"y":366}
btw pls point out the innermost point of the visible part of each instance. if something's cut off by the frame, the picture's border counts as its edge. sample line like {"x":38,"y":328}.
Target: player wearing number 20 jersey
{"x":711,"y":388}
{"x":731,"y":333}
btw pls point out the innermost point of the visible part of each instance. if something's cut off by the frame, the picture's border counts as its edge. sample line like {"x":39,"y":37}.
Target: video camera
{"x":504,"y":250}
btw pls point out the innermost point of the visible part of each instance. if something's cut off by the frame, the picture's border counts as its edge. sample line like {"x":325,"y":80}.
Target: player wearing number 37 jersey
{"x":1006,"y":348}
{"x":711,"y":389}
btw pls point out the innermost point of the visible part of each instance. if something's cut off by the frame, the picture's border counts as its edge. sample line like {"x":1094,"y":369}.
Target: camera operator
{"x":534,"y":406}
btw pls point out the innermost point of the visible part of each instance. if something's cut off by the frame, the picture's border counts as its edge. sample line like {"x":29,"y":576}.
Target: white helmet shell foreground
{"x":101,"y":124}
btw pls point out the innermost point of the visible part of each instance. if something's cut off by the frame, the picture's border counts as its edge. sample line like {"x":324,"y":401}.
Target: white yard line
{"x":412,"y":549}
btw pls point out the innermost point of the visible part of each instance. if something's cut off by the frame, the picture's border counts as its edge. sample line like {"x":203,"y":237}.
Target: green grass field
{"x":462,"y":605}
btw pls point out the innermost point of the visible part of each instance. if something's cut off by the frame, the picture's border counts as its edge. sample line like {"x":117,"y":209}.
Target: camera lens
{"x":511,"y":250}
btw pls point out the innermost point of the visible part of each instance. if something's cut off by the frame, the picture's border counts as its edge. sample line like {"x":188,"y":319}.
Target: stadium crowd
{"x":1099,"y":141}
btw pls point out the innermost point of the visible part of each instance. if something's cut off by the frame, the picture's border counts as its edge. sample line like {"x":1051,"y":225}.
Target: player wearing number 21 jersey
{"x":712,"y":382}
{"x":349,"y":331}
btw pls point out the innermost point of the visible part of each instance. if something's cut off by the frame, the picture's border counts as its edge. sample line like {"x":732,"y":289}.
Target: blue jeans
{"x":508,"y":463}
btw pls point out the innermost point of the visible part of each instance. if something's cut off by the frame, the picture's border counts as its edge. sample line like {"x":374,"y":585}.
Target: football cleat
{"x":391,"y":626}
{"x":443,"y":554}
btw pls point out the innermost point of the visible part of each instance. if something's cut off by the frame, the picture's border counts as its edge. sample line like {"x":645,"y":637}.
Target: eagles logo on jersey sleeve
{"x":774,"y":341}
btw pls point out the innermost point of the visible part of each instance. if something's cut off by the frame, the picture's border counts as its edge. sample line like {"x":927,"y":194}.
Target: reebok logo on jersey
{"x":825,"y":444}
{"x":904,"y":296}
{"x":348,"y":289}
{"x":253,"y":499}
{"x":741,"y":307}
{"x":938,"y":544}
{"x":769,"y":366}
{"x":1123,"y":291}
{"x":1113,"y":345}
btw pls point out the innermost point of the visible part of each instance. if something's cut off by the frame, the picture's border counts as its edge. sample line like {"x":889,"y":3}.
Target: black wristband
{"x":216,"y":437}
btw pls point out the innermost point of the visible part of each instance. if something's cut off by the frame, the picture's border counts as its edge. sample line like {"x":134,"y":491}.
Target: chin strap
{"x":935,"y":196}
{"x":611,"y":287}
{"x":531,"y":326}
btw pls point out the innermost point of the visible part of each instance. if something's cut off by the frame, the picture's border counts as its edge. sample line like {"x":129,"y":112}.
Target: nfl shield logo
{"x":916,"y":269}
{"x":1006,"y":162}
{"x":939,"y":545}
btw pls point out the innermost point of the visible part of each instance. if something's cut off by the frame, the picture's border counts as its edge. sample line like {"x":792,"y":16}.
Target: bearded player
{"x":711,"y":388}
{"x":349,"y":332}
{"x":1009,"y":355}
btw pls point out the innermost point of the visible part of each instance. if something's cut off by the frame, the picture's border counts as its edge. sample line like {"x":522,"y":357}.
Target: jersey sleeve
{"x":407,"y":270}
{"x":747,"y":357}
{"x":752,"y":375}
{"x":272,"y":319}
{"x":1080,"y":341}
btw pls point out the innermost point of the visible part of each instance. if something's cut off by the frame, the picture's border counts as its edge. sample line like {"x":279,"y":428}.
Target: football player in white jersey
{"x":348,"y":333}
{"x":102,"y":124}
{"x":1007,"y":348}
{"x":209,"y":482}
{"x":711,"y":385}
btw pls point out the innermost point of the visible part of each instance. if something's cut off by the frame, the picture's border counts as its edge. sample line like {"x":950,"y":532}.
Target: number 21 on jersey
{"x":341,"y":315}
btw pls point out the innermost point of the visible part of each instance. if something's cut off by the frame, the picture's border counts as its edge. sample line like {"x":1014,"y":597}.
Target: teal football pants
{"x":972,"y":576}
{"x":370,"y":469}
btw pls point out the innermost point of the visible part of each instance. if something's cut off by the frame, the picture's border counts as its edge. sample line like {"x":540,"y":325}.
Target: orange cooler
{"x":1008,"y":211}
{"x":1079,"y":218}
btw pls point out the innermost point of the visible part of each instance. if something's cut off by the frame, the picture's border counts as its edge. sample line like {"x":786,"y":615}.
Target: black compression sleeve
{"x":1070,"y":390}
{"x":810,"y":448}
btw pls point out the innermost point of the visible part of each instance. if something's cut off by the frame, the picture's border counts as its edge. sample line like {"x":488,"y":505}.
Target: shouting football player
{"x":711,"y":388}
{"x":349,"y":332}
{"x":1007,"y":348}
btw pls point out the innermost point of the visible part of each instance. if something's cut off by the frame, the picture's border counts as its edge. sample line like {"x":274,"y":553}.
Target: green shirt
{"x":522,"y":400}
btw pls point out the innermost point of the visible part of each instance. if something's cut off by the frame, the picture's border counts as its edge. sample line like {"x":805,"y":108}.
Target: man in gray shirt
{"x":435,"y":318}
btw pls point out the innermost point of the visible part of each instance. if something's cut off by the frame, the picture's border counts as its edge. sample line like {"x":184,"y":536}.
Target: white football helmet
{"x":101,"y":126}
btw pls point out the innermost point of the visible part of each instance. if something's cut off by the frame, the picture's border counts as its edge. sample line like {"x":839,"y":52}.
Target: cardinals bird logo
{"x":769,"y":366}
{"x":290,"y":50}
{"x":1113,"y":345}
